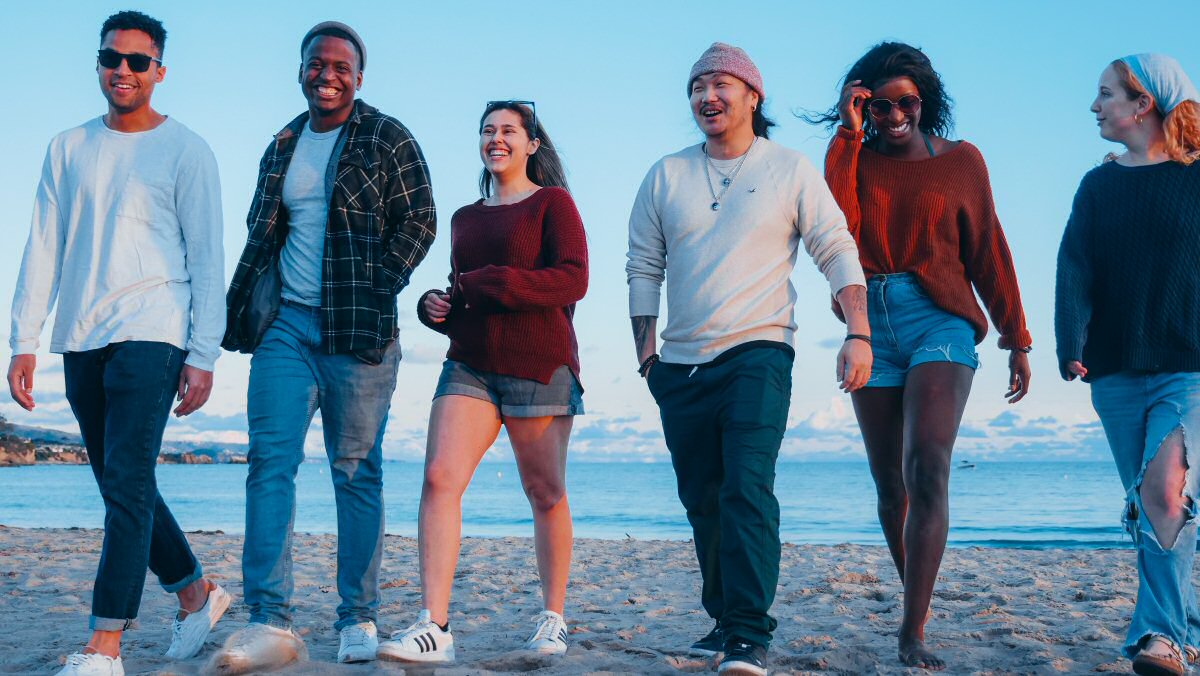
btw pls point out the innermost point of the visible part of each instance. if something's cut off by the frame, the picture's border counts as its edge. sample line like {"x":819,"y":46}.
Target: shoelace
{"x":79,"y":659}
{"x":547,"y":628}
{"x":355,"y":637}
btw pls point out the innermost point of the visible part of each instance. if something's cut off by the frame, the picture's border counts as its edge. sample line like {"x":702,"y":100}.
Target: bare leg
{"x":106,"y":643}
{"x":461,"y":429}
{"x":935,"y":395}
{"x":880,"y":416}
{"x":193,"y":597}
{"x":540,"y":445}
{"x":1162,"y":490}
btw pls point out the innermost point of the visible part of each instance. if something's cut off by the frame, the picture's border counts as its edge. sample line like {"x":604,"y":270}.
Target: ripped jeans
{"x":1140,"y":411}
{"x":908,"y":329}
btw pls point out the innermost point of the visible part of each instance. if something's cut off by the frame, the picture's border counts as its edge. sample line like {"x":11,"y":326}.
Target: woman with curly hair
{"x":920,"y":207}
{"x":1126,"y":321}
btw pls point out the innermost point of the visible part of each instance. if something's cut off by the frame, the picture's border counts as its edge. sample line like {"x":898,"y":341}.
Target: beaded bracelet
{"x":650,"y":361}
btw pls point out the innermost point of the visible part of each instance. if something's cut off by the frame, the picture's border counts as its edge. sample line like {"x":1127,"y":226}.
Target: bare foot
{"x":914,"y":654}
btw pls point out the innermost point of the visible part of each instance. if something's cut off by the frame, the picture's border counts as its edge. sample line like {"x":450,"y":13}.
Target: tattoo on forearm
{"x":858,"y":299}
{"x":641,"y":333}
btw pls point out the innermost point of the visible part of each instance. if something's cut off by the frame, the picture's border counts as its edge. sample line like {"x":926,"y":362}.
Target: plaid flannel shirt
{"x":381,"y":224}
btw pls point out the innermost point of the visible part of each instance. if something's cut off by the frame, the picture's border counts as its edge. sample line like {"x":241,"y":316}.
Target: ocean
{"x":998,"y":504}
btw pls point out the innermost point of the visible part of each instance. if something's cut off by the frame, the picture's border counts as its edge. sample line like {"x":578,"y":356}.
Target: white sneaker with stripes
{"x":549,"y":634}
{"x":424,"y":641}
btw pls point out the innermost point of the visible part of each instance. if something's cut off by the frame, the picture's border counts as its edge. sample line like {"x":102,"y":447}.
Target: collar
{"x":296,"y":126}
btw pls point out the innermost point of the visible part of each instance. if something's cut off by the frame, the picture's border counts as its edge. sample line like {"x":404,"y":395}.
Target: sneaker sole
{"x":742,"y":669}
{"x":445,"y":658}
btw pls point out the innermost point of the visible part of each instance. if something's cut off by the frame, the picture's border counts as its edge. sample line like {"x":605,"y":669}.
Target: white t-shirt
{"x":126,"y":237}
{"x":307,"y":204}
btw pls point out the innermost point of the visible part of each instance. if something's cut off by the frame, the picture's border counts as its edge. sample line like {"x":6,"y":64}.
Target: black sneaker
{"x":712,"y":643}
{"x":743,"y":659}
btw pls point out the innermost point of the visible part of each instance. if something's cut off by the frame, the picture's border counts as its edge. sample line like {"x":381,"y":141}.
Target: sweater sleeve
{"x":646,"y":267}
{"x":561,"y":281}
{"x":988,"y":261}
{"x":823,"y":231}
{"x":841,"y":173}
{"x":198,"y":204}
{"x":1072,"y":293}
{"x":41,"y":266}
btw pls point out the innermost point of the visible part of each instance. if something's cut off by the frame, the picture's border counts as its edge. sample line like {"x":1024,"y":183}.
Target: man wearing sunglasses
{"x":126,"y":238}
{"x":722,"y":222}
{"x":342,"y":215}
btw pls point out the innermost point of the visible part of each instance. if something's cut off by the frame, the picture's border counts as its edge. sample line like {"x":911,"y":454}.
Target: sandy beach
{"x":633,"y":607}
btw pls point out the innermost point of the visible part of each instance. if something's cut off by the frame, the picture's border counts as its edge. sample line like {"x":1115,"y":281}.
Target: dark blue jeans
{"x":121,"y":395}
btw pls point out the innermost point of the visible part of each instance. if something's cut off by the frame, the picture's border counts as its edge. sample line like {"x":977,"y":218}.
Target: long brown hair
{"x":1181,"y":126}
{"x":544,"y":167}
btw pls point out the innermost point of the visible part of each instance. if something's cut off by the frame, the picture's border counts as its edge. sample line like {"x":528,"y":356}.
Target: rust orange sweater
{"x":935,"y":219}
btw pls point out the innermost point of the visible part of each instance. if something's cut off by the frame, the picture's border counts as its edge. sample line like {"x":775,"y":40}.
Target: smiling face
{"x":329,"y":78}
{"x":897,"y":128}
{"x":722,"y":104}
{"x":504,"y":144}
{"x":1115,"y":111}
{"x":126,"y":90}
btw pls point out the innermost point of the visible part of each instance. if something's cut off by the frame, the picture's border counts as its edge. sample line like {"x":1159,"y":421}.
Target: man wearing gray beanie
{"x":709,"y":219}
{"x":342,"y":215}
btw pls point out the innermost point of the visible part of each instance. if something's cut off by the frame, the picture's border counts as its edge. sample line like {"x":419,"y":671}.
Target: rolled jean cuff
{"x":271,"y":621}
{"x":174,"y":587}
{"x":111,"y":624}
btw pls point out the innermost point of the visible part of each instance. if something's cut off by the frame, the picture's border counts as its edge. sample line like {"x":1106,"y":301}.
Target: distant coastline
{"x":21,"y":446}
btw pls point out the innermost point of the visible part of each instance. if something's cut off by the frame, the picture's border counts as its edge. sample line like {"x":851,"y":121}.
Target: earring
{"x":1137,"y":118}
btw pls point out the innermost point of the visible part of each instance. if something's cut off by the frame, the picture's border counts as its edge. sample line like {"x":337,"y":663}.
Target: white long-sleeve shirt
{"x":728,"y":272}
{"x":126,"y":236}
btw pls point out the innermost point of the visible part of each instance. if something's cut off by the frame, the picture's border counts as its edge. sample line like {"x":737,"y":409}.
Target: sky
{"x":609,"y":80}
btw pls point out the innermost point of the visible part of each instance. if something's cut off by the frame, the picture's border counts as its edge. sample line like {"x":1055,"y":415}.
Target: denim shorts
{"x":908,"y":329}
{"x":515,"y":397}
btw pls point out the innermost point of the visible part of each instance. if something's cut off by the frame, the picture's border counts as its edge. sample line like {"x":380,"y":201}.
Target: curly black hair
{"x":130,"y":20}
{"x":889,"y":60}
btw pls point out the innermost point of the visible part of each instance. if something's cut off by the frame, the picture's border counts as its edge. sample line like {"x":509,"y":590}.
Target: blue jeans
{"x":1139,"y":411}
{"x":121,"y":395}
{"x":909,"y":329}
{"x":291,"y":376}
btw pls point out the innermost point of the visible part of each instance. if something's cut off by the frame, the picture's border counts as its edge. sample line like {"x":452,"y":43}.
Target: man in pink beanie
{"x":709,"y":218}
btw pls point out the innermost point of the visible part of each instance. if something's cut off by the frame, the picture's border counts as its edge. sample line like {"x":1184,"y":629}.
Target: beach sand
{"x":633,"y":607}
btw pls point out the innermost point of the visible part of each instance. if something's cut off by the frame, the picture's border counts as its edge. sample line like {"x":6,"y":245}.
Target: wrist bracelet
{"x":1026,"y":350}
{"x":650,"y":361}
{"x":858,"y":336}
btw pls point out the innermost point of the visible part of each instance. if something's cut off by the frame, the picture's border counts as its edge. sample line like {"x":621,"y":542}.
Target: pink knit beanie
{"x":723,"y":58}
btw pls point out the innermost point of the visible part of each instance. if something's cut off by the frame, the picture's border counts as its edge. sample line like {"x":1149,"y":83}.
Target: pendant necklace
{"x":726,"y":180}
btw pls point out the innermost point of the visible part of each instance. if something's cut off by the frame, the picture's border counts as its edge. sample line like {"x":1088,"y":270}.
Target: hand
{"x":853,"y":365}
{"x":195,"y":385}
{"x":20,"y":379}
{"x":1076,"y":368}
{"x":437,"y":306}
{"x":850,"y":106}
{"x":1018,"y":378}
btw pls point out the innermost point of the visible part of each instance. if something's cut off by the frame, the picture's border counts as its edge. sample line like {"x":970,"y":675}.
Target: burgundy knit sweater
{"x":516,"y":272}
{"x":934,"y":218}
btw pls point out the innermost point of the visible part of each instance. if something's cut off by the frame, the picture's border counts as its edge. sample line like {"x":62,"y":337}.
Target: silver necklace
{"x":726,"y":180}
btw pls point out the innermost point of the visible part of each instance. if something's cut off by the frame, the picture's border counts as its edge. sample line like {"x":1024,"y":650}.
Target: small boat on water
{"x":964,"y":464}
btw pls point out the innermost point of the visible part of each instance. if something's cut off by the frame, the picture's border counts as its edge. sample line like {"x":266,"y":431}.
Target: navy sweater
{"x":1128,"y":292}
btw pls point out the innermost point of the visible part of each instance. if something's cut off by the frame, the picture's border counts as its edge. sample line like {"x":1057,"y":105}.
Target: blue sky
{"x":609,"y":81}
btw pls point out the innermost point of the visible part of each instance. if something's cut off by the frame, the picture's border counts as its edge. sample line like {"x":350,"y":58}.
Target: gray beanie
{"x":358,"y":41}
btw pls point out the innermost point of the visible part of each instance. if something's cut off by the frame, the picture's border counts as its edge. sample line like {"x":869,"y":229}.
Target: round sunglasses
{"x":138,"y":63}
{"x":908,"y":104}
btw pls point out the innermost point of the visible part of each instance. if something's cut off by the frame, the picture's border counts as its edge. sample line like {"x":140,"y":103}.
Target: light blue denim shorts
{"x":515,"y":397}
{"x":908,"y":329}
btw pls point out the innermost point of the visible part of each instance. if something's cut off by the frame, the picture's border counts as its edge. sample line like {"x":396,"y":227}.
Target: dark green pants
{"x":723,"y":425}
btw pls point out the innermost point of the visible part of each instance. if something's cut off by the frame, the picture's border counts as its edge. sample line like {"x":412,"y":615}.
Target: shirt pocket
{"x":147,"y":199}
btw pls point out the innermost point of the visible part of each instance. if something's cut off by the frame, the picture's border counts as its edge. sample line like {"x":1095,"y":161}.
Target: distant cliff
{"x":21,"y":446}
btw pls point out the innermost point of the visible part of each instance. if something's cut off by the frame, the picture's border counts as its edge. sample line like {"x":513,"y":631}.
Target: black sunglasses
{"x":908,"y":104}
{"x":495,"y":105}
{"x":138,"y":63}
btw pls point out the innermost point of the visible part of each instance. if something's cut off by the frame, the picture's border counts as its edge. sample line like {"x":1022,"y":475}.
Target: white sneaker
{"x":550,"y":635}
{"x":257,"y":647}
{"x":358,"y":643}
{"x":92,"y":664}
{"x":424,"y":641}
{"x":189,"y":634}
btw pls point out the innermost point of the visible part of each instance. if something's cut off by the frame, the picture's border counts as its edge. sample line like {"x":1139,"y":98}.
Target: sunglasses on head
{"x":495,"y":105}
{"x":908,"y":104}
{"x":138,"y":63}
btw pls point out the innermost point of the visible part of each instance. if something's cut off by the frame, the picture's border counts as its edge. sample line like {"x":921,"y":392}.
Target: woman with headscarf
{"x":1127,"y":319}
